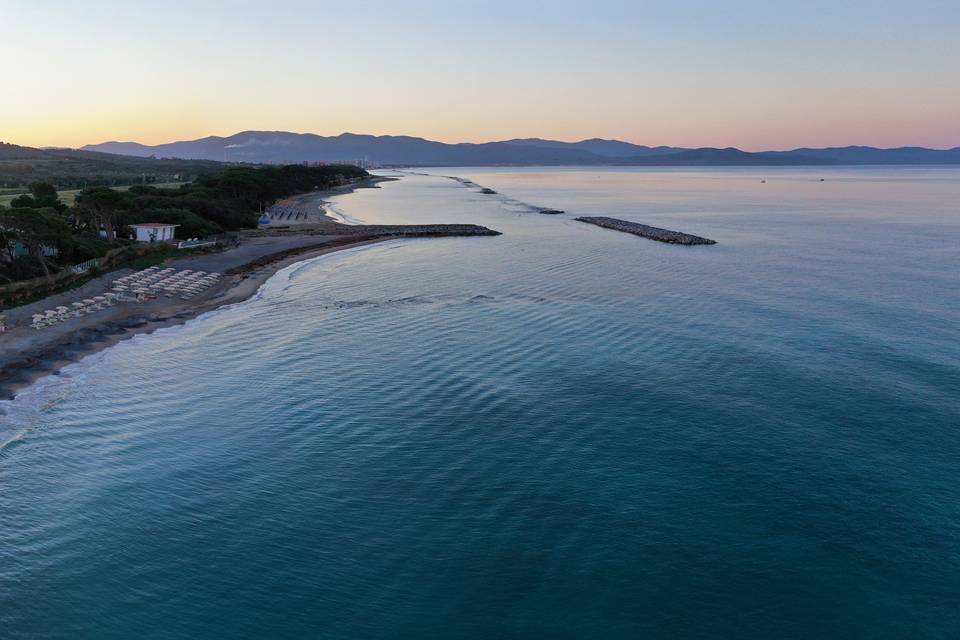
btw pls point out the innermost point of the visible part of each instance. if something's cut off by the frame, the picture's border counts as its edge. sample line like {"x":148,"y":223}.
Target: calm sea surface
{"x":561,"y":432}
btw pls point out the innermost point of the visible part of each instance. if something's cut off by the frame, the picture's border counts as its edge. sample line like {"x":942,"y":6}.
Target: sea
{"x":560,"y":432}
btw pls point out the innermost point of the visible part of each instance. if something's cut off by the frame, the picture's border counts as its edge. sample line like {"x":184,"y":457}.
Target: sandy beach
{"x":313,"y":208}
{"x":28,"y":354}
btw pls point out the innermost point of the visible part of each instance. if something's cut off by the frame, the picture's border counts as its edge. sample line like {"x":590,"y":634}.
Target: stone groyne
{"x":331,"y":228}
{"x":646,"y":231}
{"x":416,"y":230}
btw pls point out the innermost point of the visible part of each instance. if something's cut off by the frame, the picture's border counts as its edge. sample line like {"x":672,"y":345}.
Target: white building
{"x":153,"y":231}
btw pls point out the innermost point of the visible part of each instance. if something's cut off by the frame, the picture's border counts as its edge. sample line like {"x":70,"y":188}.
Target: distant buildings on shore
{"x":363,"y":163}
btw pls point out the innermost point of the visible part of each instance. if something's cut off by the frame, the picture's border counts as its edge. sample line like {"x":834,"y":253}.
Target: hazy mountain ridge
{"x":283,"y":146}
{"x":598,"y":146}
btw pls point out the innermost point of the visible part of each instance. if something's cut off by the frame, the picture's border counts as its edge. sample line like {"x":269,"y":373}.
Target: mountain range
{"x":286,"y":147}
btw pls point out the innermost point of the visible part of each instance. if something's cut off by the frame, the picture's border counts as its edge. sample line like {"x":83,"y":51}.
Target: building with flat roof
{"x":153,"y":231}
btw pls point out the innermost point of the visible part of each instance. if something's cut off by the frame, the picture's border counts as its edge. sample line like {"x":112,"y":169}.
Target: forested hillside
{"x":75,"y":169}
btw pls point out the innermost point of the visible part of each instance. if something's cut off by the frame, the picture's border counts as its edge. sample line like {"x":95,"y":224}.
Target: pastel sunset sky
{"x":756,"y":75}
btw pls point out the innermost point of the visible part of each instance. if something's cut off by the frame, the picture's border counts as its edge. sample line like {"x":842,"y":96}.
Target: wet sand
{"x":28,"y":354}
{"x":312,"y":208}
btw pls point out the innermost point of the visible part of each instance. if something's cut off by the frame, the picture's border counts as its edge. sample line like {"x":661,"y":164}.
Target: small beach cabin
{"x":153,"y":231}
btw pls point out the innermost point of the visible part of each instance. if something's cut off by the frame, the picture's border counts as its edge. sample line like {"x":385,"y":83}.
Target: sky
{"x":755,"y":75}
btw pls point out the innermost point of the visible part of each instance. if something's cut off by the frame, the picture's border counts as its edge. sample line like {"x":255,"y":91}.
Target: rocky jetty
{"x":354,"y":231}
{"x":415,"y":230}
{"x":646,"y":231}
{"x":551,"y":212}
{"x":488,"y":191}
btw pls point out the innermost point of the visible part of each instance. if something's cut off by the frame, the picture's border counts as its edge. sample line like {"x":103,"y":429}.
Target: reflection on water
{"x":559,"y":432}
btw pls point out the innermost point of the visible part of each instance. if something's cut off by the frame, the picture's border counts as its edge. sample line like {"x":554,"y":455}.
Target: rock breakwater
{"x":646,"y":231}
{"x":331,"y":228}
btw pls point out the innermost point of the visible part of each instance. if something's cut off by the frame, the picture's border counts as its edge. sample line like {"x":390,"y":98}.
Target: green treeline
{"x":39,"y":234}
{"x":74,"y":169}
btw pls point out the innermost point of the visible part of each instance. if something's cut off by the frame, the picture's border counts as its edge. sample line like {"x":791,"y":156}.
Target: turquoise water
{"x":561,"y":432}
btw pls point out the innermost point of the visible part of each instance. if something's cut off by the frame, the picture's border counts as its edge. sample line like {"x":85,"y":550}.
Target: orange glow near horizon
{"x":750,"y":76}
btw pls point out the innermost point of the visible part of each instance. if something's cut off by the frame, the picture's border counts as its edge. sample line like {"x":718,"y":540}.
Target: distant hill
{"x":872,"y":155}
{"x":598,"y":147}
{"x":282,"y":146}
{"x":71,"y":168}
{"x":709,"y":156}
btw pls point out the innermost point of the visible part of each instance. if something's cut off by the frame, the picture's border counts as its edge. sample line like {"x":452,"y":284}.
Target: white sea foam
{"x":341,"y":216}
{"x":17,"y":416}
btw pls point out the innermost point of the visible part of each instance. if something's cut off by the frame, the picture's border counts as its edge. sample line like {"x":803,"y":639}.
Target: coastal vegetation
{"x":76,"y":169}
{"x":41,"y":235}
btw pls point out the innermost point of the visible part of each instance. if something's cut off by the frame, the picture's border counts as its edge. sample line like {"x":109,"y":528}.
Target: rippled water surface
{"x":561,"y":432}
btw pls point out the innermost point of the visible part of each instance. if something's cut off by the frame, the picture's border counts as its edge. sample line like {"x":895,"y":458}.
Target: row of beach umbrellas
{"x":135,"y":287}
{"x":185,"y":283}
{"x":76,"y":309}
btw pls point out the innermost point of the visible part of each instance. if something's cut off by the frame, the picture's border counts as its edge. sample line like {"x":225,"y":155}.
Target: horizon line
{"x":503,"y":140}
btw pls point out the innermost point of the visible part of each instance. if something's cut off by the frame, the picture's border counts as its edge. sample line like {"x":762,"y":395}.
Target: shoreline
{"x":315,"y":205}
{"x":27,"y":355}
{"x":26,"y":368}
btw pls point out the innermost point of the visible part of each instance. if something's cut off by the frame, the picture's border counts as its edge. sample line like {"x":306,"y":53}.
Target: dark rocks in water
{"x":417,"y":230}
{"x":646,"y":231}
{"x":487,"y":190}
{"x":100,"y":335}
{"x":81,"y":338}
{"x":132,"y":323}
{"x":551,"y":212}
{"x":352,"y":233}
{"x":112,"y":329}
